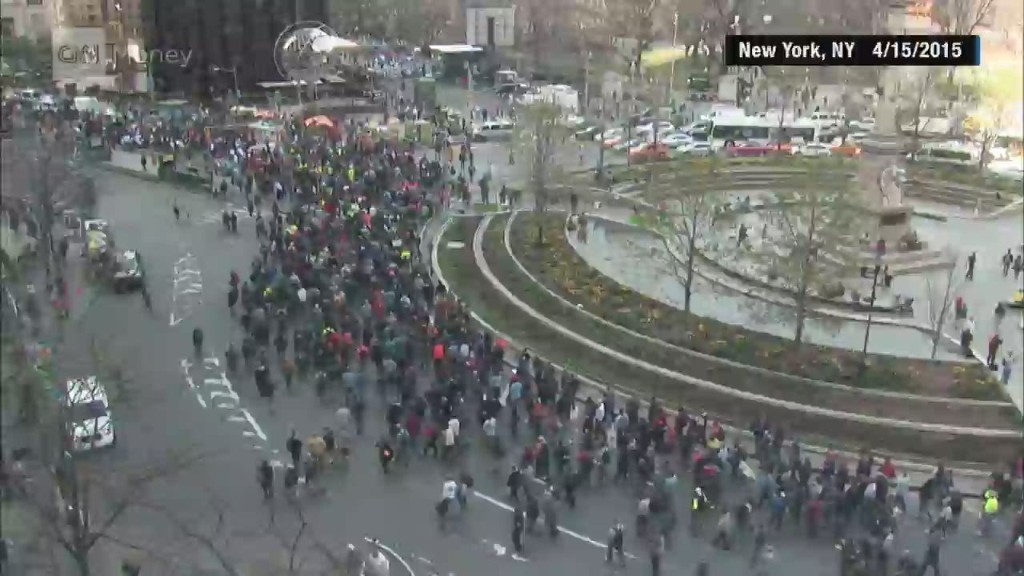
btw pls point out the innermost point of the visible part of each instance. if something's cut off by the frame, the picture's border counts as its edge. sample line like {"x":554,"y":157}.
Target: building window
{"x":7,"y":27}
{"x":34,"y":2}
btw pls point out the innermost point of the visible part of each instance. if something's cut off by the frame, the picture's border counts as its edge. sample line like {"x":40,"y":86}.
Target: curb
{"x":514,"y":346}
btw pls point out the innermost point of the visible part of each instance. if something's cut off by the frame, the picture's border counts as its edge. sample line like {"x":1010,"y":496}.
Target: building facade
{"x":227,"y":39}
{"x":27,"y":18}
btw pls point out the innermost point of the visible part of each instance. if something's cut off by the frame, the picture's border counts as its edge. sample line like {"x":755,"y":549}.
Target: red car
{"x":748,"y":149}
{"x":649,"y":153}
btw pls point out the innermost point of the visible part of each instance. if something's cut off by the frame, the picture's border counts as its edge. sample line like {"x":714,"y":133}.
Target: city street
{"x":173,"y":402}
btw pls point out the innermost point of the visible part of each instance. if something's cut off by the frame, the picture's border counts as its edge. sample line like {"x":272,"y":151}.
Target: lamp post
{"x":234,"y":75}
{"x":879,"y":253}
{"x":672,"y":65}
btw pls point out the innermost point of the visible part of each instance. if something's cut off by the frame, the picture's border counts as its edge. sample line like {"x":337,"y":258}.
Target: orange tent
{"x":319,"y":121}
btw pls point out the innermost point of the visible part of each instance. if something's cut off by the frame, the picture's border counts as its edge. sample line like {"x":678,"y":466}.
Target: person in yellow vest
{"x":406,"y":254}
{"x":989,"y":512}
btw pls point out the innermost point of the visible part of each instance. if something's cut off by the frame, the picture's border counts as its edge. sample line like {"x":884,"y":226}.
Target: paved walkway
{"x":650,"y":272}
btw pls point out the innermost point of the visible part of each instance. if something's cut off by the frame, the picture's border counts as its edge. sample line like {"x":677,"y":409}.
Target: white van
{"x":493,"y":130}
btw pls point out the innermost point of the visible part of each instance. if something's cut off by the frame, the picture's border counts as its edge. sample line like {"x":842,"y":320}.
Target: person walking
{"x":616,"y":540}
{"x":971,"y":260}
{"x":993,"y":350}
{"x":518,"y":529}
{"x":1007,"y":368}
{"x":265,"y":477}
{"x":931,"y":554}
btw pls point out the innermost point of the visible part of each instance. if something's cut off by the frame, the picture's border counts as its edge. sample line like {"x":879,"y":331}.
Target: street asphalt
{"x":210,"y":513}
{"x":173,"y":402}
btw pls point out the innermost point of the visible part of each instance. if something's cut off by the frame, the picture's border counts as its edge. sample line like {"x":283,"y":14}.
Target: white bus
{"x":763,"y":131}
{"x":726,"y":129}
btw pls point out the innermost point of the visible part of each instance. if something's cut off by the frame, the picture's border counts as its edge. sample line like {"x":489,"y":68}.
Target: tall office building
{"x":222,"y":35}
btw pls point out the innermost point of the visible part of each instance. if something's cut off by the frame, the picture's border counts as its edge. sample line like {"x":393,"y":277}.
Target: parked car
{"x":747,"y":149}
{"x":626,"y":145}
{"x":649,"y":153}
{"x":814,"y":149}
{"x":675,"y":139}
{"x":127,"y":274}
{"x":88,"y":409}
{"x":695,"y":149}
{"x":663,"y":126}
{"x":588,"y":133}
{"x":493,"y":130}
{"x":512,"y":89}
{"x":610,"y":138}
{"x":863,"y":125}
{"x":848,"y":150}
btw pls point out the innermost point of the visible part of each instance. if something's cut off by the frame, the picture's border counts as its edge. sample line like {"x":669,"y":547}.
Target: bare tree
{"x":814,"y":224}
{"x":42,"y":165}
{"x":995,"y":92}
{"x":681,"y":224}
{"x":786,"y":82}
{"x":79,"y":503}
{"x":419,"y":22}
{"x":941,"y":291}
{"x":634,"y":20}
{"x":539,"y":135}
{"x":961,"y":17}
{"x":915,"y":105}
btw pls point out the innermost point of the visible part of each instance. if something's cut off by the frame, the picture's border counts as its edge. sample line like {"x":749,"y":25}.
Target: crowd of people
{"x":341,"y":297}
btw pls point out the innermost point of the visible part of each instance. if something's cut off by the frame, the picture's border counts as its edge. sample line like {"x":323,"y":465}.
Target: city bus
{"x":763,"y":131}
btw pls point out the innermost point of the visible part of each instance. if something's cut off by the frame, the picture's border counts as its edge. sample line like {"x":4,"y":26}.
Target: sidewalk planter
{"x":469,"y":283}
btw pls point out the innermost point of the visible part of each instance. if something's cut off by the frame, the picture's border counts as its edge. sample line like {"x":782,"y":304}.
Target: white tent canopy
{"x":455,"y":48}
{"x":327,"y":43}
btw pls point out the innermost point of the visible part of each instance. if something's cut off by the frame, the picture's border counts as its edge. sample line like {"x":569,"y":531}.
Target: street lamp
{"x":672,"y":66}
{"x":234,"y":75}
{"x":879,"y":253}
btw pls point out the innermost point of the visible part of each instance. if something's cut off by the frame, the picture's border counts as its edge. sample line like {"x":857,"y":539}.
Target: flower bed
{"x":469,"y":284}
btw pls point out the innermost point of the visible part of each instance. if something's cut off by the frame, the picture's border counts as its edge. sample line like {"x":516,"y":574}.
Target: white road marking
{"x":188,"y":285}
{"x":252,"y":422}
{"x":202,"y":402}
{"x":191,"y":383}
{"x":185,"y":365}
{"x":563,"y":530}
{"x":391,"y":553}
{"x":248,"y":433}
{"x":276,"y":464}
{"x":227,"y":405}
{"x":211,"y":361}
{"x":230,"y":394}
{"x":236,"y":419}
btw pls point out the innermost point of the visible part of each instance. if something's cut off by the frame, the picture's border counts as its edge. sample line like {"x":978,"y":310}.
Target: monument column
{"x":880,"y":174}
